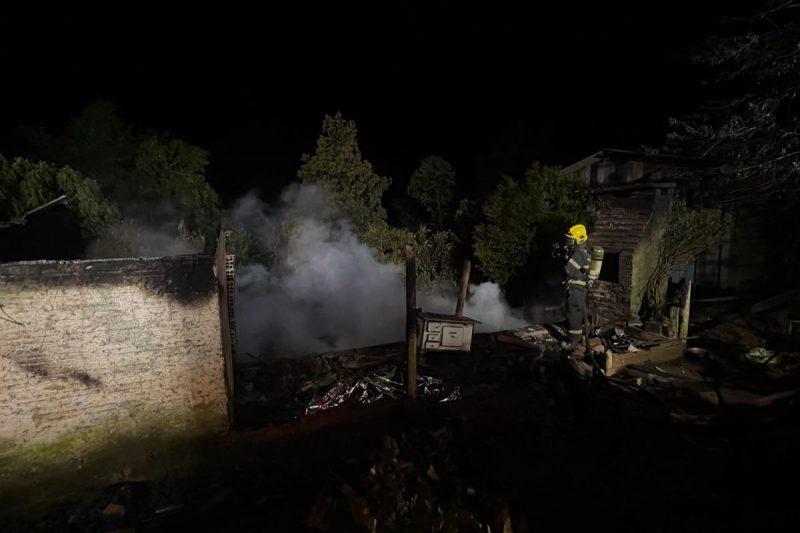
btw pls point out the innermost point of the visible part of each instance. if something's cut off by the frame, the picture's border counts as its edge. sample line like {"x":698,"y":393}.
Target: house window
{"x":610,"y":270}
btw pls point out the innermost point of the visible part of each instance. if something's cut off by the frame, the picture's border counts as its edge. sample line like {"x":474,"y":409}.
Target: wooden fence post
{"x":411,"y":320}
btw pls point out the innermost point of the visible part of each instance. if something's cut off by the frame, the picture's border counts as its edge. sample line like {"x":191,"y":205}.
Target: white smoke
{"x":486,"y":303}
{"x":161,"y":241}
{"x":326,"y":290}
{"x":133,"y":238}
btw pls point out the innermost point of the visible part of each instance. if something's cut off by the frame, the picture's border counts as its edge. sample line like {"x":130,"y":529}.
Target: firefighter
{"x":578,"y":259}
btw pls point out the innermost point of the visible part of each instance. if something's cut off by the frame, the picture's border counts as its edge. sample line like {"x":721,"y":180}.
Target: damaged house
{"x":635,"y":192}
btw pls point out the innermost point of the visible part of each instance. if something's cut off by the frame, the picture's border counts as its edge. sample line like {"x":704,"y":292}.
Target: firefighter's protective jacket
{"x":577,"y":267}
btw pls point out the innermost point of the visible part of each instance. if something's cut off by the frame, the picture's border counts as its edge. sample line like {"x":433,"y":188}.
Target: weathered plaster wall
{"x":132,"y":346}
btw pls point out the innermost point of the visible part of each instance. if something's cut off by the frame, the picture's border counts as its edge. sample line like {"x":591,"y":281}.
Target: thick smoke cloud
{"x":326,"y":291}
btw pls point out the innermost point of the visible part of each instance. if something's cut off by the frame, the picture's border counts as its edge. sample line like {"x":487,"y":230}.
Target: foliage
{"x":566,"y":198}
{"x":465,"y":209}
{"x":147,"y":176}
{"x":749,"y":138}
{"x":257,"y":241}
{"x":516,"y":209}
{"x":173,"y":169}
{"x":25,"y":185}
{"x":388,"y":242}
{"x":247,"y":248}
{"x":689,"y":233}
{"x":337,"y":165}
{"x":503,"y":242}
{"x":434,"y":250}
{"x":432,"y":186}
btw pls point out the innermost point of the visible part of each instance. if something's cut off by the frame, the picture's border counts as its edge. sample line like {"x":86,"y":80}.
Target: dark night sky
{"x":489,"y":88}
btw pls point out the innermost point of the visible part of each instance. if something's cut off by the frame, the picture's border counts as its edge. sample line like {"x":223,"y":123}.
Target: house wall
{"x":610,"y":302}
{"x":94,"y":351}
{"x":756,"y":255}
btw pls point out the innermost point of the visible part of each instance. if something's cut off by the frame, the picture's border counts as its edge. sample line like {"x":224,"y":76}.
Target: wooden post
{"x":675,"y":320}
{"x":685,"y":308}
{"x":462,"y":291}
{"x":411,"y":320}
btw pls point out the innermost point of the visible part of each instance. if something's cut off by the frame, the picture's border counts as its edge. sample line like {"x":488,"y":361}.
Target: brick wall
{"x":610,"y":303}
{"x":96,"y":343}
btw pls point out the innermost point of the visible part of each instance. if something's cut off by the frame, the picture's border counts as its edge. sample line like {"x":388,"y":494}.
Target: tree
{"x":689,"y":233}
{"x":150,"y":177}
{"x":748,"y":139}
{"x":503,"y":242}
{"x":174,"y":170}
{"x":25,"y":185}
{"x":337,"y":166}
{"x":516,"y":209}
{"x":432,"y":186}
{"x":356,"y":189}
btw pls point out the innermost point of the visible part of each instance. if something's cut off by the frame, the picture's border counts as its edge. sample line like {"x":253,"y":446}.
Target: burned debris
{"x":343,"y":448}
{"x":384,"y":382}
{"x":196,"y":340}
{"x":439,"y":465}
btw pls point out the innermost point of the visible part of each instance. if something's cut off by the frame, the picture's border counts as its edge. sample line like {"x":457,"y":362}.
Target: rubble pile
{"x":535,"y":333}
{"x":727,"y":367}
{"x":386,"y":382}
{"x":285,"y":389}
{"x":725,"y":364}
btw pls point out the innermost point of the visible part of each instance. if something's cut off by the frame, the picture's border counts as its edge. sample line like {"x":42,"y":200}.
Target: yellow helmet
{"x":578,"y":232}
